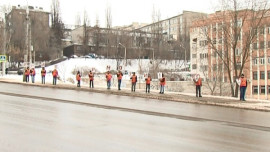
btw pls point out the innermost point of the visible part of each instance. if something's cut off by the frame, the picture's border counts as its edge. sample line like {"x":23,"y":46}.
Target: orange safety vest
{"x":133,"y":78}
{"x":55,"y":73}
{"x":199,"y":82}
{"x":119,"y":76}
{"x":43,"y":72}
{"x":33,"y":72}
{"x":91,"y":76}
{"x":27,"y":72}
{"x":243,"y":82}
{"x":148,"y":80}
{"x":109,"y":77}
{"x":162,"y":81}
{"x":78,"y":77}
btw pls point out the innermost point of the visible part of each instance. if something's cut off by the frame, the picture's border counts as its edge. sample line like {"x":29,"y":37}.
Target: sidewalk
{"x":262,"y":105}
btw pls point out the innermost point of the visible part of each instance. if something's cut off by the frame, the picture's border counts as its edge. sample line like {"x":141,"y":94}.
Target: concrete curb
{"x":249,"y":105}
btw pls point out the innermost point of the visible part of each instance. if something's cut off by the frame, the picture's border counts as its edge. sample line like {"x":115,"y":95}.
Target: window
{"x":194,"y":55}
{"x":201,"y":56}
{"x":262,"y":30}
{"x":220,"y":40}
{"x":238,"y":52}
{"x":262,"y":74}
{"x":268,"y":44}
{"x":262,"y":61}
{"x":214,"y":28}
{"x":268,"y":74}
{"x":238,"y":65}
{"x":255,"y":46}
{"x":255,"y":89}
{"x":261,"y":44}
{"x":194,"y":66}
{"x":225,"y":79}
{"x":255,"y":75}
{"x":255,"y":61}
{"x":215,"y":67}
{"x":268,"y":89}
{"x":262,"y":89}
{"x":268,"y":60}
{"x":255,"y":31}
{"x":214,"y":41}
{"x":203,"y":43}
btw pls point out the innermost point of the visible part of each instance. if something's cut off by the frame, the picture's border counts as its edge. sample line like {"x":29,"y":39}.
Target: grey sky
{"x":124,"y":12}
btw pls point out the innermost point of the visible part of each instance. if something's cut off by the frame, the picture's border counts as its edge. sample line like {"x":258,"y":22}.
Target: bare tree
{"x":86,"y":37}
{"x":57,"y":29}
{"x":234,"y":30}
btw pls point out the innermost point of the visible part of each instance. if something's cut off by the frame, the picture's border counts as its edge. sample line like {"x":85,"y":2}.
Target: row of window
{"x":262,"y":89}
{"x":262,"y":75}
{"x":262,"y":61}
{"x":262,"y":45}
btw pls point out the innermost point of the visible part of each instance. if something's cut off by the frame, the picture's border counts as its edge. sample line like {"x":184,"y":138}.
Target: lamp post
{"x":125,"y":53}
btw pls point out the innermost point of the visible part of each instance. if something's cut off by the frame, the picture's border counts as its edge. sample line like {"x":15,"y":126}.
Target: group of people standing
{"x":32,"y":72}
{"x":119,"y":76}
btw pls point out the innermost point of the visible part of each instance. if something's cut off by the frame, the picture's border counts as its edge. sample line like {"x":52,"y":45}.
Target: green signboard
{"x":3,"y":58}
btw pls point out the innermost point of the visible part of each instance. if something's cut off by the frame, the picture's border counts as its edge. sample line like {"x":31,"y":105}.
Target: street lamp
{"x":125,"y":53}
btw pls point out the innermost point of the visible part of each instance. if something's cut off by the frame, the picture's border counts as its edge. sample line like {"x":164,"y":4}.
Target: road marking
{"x":160,"y":114}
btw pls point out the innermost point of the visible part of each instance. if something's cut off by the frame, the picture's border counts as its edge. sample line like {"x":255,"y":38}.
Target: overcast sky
{"x":124,"y":12}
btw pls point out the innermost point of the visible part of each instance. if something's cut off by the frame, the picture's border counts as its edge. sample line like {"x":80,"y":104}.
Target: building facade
{"x":221,"y":45}
{"x":36,"y":39}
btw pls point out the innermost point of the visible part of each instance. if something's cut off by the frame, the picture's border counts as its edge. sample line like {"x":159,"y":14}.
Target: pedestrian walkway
{"x":259,"y":105}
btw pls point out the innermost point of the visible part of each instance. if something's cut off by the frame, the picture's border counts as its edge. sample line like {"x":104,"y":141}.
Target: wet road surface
{"x":46,"y":119}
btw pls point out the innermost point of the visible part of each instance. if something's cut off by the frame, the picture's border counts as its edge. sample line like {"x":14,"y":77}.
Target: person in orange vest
{"x":133,"y":81}
{"x":119,"y":77}
{"x":148,"y":81}
{"x":78,"y":78}
{"x":27,"y":73}
{"x":91,"y":79}
{"x":108,"y":78}
{"x":198,"y":83}
{"x":162,"y":84}
{"x":55,"y":75}
{"x":243,"y":87}
{"x":33,"y":74}
{"x":43,"y":74}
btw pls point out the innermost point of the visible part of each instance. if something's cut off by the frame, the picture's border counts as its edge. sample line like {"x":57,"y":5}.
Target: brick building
{"x":220,"y":44}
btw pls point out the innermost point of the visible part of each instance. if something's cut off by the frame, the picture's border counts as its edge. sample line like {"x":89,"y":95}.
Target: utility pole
{"x":4,"y":45}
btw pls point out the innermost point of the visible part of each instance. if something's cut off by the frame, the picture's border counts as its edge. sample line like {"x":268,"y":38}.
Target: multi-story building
{"x":221,"y":45}
{"x":175,"y":31}
{"x":173,"y":27}
{"x":105,"y":42}
{"x":37,"y":23}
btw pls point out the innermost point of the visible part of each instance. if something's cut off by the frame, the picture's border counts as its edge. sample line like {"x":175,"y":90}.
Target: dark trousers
{"x":27,"y":78}
{"x":54,"y":80}
{"x":119,"y":84}
{"x":79,"y":83}
{"x":43,"y":79}
{"x":198,"y":90}
{"x":147,"y":88}
{"x":91,"y":84}
{"x":242,"y":93}
{"x":133,"y":86}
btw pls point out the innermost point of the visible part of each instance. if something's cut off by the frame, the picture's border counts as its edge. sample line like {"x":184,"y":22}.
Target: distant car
{"x":73,"y":56}
{"x":101,"y":57}
{"x":64,"y":57}
{"x":20,"y":71}
{"x":92,"y":55}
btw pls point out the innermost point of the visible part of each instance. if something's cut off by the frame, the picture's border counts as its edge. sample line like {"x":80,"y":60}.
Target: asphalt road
{"x":37,"y":119}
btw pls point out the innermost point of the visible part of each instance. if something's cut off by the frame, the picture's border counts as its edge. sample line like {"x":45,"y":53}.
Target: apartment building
{"x":37,"y":22}
{"x":174,"y":27}
{"x":219,"y":46}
